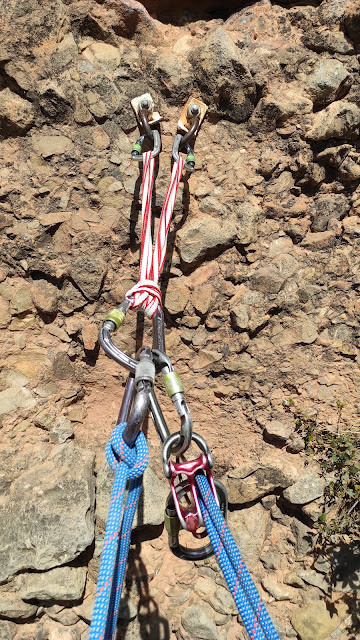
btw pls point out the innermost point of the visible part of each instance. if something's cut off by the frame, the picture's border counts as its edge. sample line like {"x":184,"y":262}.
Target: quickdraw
{"x":197,"y":503}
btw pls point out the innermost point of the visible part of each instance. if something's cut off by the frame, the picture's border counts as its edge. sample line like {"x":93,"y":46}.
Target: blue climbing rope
{"x":128,"y":464}
{"x":251,"y":608}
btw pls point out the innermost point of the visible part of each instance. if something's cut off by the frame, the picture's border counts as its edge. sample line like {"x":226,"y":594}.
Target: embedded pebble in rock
{"x":252,"y":481}
{"x":177,"y":296}
{"x":61,"y":431}
{"x":249,"y":529}
{"x":198,"y":624}
{"x":65,"y":615}
{"x":16,"y":398}
{"x":6,"y":630}
{"x":88,"y":275}
{"x":276,"y":590}
{"x":21,"y":302}
{"x":90,"y":337}
{"x":202,"y":236}
{"x":341,"y":119}
{"x":222,"y":602}
{"x":295,"y":444}
{"x":47,"y":146}
{"x":44,"y":297}
{"x":293,"y":580}
{"x":309,"y":487}
{"x":201,"y":298}
{"x":5,"y":315}
{"x":63,"y":583}
{"x":327,"y":81}
{"x":85,"y":609}
{"x":315,"y":579}
{"x":62,"y":366}
{"x":103,"y":56}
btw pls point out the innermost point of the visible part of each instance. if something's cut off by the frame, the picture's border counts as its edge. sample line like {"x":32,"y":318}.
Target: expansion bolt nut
{"x":194,"y":110}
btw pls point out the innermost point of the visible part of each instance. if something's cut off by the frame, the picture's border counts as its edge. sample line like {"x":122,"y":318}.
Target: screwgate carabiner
{"x":112,"y":323}
{"x":175,"y":391}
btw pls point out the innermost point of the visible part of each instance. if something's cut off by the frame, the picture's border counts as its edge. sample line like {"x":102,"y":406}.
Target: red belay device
{"x":197,"y":503}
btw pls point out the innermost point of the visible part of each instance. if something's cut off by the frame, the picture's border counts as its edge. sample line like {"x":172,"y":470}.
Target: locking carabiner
{"x":144,"y":383}
{"x":175,"y":390}
{"x":112,"y":323}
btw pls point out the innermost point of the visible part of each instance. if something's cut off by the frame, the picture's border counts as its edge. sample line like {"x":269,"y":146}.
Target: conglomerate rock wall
{"x":260,"y":288}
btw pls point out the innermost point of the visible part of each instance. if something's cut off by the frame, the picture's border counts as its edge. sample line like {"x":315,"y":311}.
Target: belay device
{"x":197,"y":503}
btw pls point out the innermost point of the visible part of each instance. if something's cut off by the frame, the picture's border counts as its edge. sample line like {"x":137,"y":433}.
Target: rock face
{"x":222,"y":75}
{"x":252,"y":481}
{"x":202,"y":237}
{"x":309,"y":487}
{"x":151,"y":506}
{"x":65,"y":478}
{"x":198,"y":623}
{"x":260,"y":292}
{"x":315,"y":621}
{"x":65,"y":584}
{"x":249,"y":531}
{"x":339,"y":120}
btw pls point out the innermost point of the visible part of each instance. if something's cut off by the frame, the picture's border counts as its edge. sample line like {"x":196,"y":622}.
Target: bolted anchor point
{"x":193,"y":110}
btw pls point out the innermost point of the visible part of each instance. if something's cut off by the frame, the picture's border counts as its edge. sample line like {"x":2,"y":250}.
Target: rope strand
{"x":146,"y":293}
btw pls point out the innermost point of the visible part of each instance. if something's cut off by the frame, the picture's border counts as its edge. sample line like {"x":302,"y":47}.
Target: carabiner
{"x":193,"y":114}
{"x":144,"y":383}
{"x":175,"y":391}
{"x":190,"y":158}
{"x":112,"y":322}
{"x":152,"y":135}
{"x":136,"y":152}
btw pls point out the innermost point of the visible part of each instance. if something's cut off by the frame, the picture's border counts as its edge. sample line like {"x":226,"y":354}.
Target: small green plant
{"x":338,"y":455}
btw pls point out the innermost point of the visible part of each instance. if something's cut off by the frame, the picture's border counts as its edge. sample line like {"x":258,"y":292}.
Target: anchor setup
{"x":197,"y":503}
